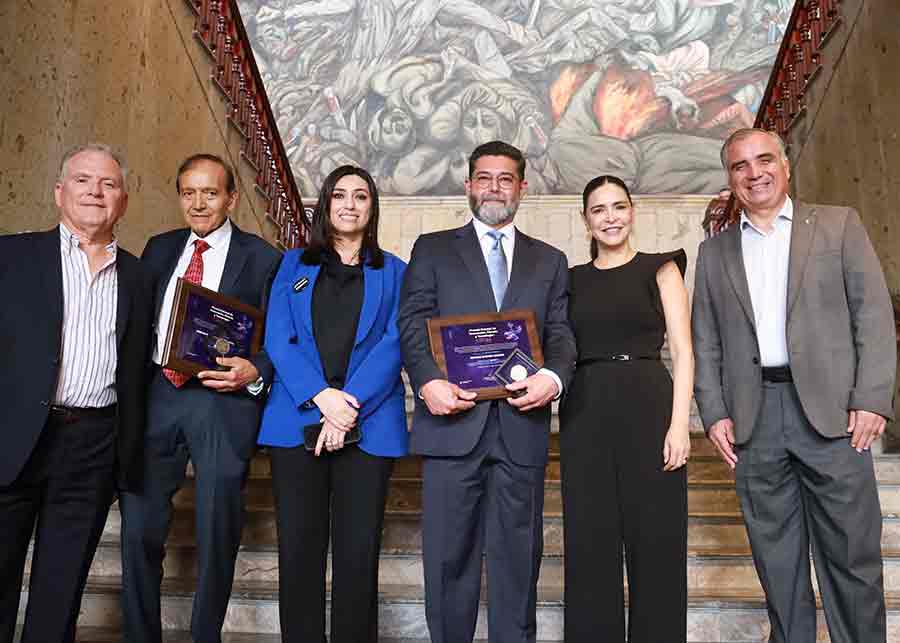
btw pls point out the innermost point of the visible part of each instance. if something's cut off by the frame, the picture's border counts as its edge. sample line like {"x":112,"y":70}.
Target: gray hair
{"x":746,"y":132}
{"x":92,"y":147}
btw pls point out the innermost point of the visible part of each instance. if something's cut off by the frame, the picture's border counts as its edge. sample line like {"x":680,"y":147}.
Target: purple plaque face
{"x":474,"y":351}
{"x":211,"y":330}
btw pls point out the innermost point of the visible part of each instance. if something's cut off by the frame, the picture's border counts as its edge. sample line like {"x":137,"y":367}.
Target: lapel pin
{"x":300,"y":284}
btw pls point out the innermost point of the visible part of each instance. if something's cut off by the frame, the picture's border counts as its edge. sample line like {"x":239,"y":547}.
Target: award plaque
{"x":471,"y":349}
{"x":205,"y":325}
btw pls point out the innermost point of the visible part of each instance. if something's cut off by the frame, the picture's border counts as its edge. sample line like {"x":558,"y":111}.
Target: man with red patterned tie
{"x":211,"y":420}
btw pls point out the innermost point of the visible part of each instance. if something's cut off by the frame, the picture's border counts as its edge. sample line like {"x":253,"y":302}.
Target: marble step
{"x":708,"y":498}
{"x":705,"y":464}
{"x":402,"y":532}
{"x":707,"y":568}
{"x":723,"y":616}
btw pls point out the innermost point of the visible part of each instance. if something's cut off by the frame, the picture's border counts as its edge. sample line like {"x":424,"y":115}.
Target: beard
{"x":493,"y":213}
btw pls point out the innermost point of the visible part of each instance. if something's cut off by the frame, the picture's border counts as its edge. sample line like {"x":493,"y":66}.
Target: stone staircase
{"x":725,"y":602}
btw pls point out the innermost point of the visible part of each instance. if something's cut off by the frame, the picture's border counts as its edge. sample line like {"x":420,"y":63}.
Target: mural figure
{"x":644,"y":89}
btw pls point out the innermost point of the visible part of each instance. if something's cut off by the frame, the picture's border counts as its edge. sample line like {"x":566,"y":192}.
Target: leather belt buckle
{"x":621,"y":357}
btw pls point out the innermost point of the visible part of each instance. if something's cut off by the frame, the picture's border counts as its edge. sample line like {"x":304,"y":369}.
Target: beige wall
{"x":128,"y":73}
{"x":847,"y":149}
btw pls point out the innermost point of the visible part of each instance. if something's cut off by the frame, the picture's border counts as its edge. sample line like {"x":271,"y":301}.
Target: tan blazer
{"x":840,"y":325}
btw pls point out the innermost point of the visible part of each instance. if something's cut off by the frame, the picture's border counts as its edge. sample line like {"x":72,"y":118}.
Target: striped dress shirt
{"x":87,"y":374}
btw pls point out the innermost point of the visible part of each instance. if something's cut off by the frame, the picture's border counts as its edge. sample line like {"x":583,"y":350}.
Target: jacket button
{"x":756,"y":360}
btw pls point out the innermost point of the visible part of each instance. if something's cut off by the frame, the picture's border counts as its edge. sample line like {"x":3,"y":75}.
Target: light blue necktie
{"x":496,"y":263}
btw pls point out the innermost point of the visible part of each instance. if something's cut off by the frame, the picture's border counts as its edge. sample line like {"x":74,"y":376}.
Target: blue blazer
{"x":373,"y":374}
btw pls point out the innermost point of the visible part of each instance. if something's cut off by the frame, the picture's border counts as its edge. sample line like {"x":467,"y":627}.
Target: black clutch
{"x":311,"y":436}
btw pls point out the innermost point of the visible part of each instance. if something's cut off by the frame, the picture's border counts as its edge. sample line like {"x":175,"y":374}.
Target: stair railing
{"x":219,"y":28}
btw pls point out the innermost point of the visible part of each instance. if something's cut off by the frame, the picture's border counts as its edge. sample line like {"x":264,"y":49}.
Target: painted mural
{"x":644,"y":89}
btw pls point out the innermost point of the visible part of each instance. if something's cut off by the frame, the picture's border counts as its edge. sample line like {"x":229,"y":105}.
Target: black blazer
{"x":249,"y":269}
{"x":31,"y":333}
{"x":447,"y":275}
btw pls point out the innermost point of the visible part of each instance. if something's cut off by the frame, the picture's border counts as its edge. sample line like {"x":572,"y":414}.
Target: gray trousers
{"x":800,"y":490}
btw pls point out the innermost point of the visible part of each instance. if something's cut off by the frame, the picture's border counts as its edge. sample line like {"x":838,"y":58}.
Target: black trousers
{"x":801,"y":491}
{"x":342,"y":494}
{"x":66,"y":487}
{"x":179,"y":429}
{"x":482,"y":502}
{"x":616,"y":498}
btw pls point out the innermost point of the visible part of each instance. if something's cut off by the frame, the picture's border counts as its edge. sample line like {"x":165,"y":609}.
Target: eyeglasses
{"x":486,"y":181}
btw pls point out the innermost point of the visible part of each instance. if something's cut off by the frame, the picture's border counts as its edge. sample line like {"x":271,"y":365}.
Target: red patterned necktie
{"x":194,"y":275}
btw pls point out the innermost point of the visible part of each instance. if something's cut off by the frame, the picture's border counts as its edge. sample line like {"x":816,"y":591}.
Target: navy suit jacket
{"x":249,"y":267}
{"x":447,"y":275}
{"x":31,"y":318}
{"x":373,"y":374}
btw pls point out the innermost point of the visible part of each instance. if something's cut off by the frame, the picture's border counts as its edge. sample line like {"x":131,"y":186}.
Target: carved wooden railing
{"x":219,"y":28}
{"x":797,"y":64}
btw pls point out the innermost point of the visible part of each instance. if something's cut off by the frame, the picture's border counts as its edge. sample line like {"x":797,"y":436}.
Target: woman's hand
{"x":331,"y":438}
{"x":677,"y":448}
{"x":338,"y":407}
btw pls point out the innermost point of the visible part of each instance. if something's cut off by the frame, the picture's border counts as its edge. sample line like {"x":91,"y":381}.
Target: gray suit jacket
{"x":447,"y":275}
{"x":840,"y":326}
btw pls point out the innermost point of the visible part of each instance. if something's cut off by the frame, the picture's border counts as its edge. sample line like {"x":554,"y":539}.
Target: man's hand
{"x":337,"y":407}
{"x":721,"y":434}
{"x":866,"y":427}
{"x":444,"y":398}
{"x":240,"y":373}
{"x":540,"y":389}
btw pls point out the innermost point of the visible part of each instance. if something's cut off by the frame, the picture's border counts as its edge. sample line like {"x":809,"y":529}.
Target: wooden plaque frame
{"x":173,"y":350}
{"x":435,"y":338}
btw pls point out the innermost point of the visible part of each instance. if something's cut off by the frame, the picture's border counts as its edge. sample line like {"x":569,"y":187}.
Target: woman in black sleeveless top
{"x":624,"y":434}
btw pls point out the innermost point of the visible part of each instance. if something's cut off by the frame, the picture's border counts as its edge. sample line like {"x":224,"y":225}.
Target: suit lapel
{"x":373,"y":283}
{"x":234,"y":262}
{"x":524,"y":262}
{"x":51,"y":275}
{"x":172,"y":262}
{"x":123,"y":298}
{"x":470,"y":250}
{"x":301,"y":302}
{"x":733,"y":258}
{"x":803,"y":229}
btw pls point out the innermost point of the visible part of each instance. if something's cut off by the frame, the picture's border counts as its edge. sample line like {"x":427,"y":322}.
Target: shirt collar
{"x":481,"y":229}
{"x":216,"y":238}
{"x":71,"y":240}
{"x":786,"y":213}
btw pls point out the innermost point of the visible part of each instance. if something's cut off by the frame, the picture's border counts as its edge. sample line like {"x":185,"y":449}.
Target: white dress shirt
{"x":508,"y":241}
{"x":766,"y":260}
{"x":87,"y":372}
{"x":213,"y":266}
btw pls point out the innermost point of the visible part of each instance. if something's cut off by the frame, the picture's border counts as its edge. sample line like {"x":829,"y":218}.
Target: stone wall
{"x":661,"y":223}
{"x":846,"y":149}
{"x":128,"y":73}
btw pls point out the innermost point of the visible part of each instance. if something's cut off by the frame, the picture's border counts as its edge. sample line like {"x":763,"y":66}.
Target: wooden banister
{"x":219,"y":28}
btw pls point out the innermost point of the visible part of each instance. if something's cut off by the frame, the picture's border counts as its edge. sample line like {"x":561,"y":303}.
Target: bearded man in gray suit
{"x":795,"y":364}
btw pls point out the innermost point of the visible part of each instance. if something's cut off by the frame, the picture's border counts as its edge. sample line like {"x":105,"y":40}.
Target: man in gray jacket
{"x":795,"y":364}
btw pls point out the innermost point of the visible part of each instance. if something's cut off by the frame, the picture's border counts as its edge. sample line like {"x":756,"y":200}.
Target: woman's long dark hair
{"x":592,"y":185}
{"x":321,"y":232}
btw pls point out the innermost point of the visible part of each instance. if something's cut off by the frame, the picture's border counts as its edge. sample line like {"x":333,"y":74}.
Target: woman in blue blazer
{"x":335,"y":418}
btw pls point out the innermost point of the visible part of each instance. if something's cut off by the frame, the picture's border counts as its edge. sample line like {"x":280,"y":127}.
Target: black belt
{"x":72,"y":414}
{"x":777,"y":374}
{"x":617,"y":357}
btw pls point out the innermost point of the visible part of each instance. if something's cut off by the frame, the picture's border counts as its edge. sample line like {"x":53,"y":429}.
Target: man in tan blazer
{"x":795,"y":363}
